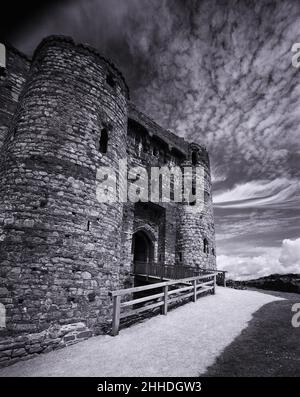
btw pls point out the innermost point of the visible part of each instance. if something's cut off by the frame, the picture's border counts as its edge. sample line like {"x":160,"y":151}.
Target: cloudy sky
{"x":219,"y":73}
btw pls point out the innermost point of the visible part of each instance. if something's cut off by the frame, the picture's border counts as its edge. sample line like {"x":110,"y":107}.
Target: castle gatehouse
{"x":63,"y":114}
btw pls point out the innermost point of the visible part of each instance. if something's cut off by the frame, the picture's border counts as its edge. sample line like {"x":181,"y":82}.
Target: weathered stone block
{"x":35,"y":349}
{"x":19,"y":352}
{"x":84,"y":334}
{"x":3,"y":292}
{"x":68,"y":338}
{"x":6,"y":353}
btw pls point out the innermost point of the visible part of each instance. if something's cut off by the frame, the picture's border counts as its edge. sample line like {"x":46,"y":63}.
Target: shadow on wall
{"x":269,"y":346}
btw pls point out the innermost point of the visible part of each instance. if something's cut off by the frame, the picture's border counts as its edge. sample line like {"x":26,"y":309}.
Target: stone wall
{"x":147,"y":147}
{"x":24,"y":347}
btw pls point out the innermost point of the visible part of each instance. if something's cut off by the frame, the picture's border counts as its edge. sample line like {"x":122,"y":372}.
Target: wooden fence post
{"x":116,"y":315}
{"x":195,"y":290}
{"x":165,"y":305}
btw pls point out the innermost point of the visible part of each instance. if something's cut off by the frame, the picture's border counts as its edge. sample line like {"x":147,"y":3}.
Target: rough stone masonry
{"x":63,"y":114}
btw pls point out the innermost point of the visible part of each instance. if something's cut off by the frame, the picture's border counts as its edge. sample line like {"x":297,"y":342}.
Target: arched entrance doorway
{"x":143,"y":250}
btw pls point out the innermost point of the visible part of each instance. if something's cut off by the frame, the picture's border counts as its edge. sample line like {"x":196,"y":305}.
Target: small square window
{"x":103,"y":141}
{"x":205,"y":246}
{"x":110,"y":80}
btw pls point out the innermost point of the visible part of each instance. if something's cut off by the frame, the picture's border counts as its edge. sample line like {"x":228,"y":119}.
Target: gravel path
{"x":183,"y":343}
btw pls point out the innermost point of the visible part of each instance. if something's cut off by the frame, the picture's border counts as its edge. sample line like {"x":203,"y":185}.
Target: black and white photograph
{"x":150,"y":192}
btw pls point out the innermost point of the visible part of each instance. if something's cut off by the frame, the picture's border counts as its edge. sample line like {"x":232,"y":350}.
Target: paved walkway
{"x":183,"y":343}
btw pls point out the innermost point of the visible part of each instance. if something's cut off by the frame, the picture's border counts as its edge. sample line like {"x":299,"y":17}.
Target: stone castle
{"x":64,"y":113}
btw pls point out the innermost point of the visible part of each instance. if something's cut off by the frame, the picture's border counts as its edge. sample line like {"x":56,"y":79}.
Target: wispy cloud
{"x":280,"y":191}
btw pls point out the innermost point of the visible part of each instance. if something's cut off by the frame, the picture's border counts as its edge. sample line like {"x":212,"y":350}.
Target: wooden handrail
{"x":196,"y":284}
{"x":158,"y":285}
{"x":162,"y":271}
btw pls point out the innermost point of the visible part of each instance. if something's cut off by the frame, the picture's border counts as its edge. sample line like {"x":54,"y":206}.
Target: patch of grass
{"x":269,"y":346}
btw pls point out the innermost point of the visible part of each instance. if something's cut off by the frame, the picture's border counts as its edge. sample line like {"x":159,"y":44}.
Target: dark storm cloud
{"x":109,"y":25}
{"x":219,"y":73}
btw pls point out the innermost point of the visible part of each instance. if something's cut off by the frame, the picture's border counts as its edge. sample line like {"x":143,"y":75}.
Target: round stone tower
{"x":57,"y":242}
{"x":196,"y":233}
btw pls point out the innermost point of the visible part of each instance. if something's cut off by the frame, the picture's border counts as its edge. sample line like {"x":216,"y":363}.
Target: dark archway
{"x":143,"y":250}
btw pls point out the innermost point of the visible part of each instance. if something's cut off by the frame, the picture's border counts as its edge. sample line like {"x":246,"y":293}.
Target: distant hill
{"x":275,"y":282}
